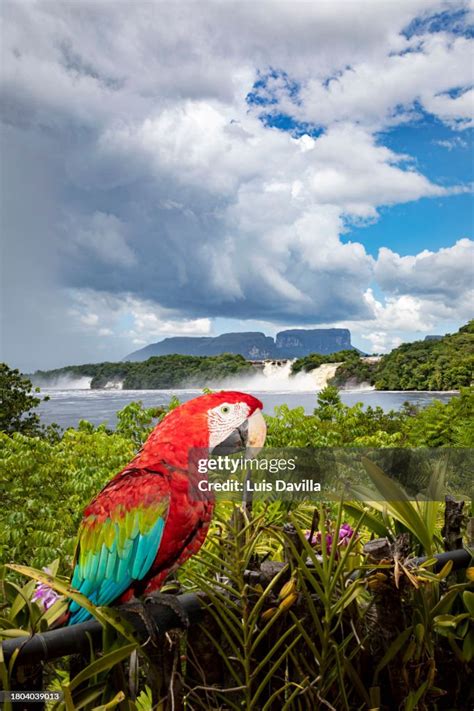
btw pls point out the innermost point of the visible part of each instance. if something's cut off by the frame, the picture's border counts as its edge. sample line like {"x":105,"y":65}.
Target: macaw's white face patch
{"x":224,"y":419}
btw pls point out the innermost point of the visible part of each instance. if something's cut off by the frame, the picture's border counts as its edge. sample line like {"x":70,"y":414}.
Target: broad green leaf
{"x":445,"y":603}
{"x":468,"y":599}
{"x":23,"y":598}
{"x":104,"y":663}
{"x":445,"y":621}
{"x":415,"y":696}
{"x":399,"y":504}
{"x":468,"y":646}
{"x":445,"y":570}
{"x":394,"y":648}
{"x":118,"y":698}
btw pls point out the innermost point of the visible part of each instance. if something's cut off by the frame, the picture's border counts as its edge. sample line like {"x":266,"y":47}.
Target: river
{"x":68,"y":406}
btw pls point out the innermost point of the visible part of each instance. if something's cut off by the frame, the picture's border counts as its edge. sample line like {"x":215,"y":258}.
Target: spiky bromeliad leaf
{"x":397,"y":503}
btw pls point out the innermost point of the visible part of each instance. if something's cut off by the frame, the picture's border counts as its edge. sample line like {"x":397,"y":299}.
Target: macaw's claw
{"x":151,"y":622}
{"x":170,"y":601}
{"x":142,"y":620}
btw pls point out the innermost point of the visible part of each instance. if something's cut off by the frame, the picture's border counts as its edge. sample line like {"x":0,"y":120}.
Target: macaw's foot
{"x":172,"y":603}
{"x":142,"y":621}
{"x":154,"y":615}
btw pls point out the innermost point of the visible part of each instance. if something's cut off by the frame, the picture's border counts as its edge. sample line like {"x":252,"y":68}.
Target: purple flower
{"x":345,"y":533}
{"x":316,"y":539}
{"x":43,"y":594}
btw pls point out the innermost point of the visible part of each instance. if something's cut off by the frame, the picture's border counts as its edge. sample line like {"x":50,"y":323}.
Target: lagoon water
{"x":68,"y":406}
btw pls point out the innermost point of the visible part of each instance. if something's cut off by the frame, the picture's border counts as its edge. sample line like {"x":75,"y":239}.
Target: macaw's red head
{"x":223,"y":423}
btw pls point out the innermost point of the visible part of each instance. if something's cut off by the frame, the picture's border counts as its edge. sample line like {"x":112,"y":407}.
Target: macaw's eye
{"x":225,"y":409}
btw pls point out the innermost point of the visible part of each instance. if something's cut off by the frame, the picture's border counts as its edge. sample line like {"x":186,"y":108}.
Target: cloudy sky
{"x":190,"y":168}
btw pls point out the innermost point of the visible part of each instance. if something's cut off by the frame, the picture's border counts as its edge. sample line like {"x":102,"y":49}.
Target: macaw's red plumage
{"x":148,"y":519}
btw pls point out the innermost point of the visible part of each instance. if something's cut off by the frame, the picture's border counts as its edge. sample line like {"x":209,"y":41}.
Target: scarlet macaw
{"x":147,"y":520}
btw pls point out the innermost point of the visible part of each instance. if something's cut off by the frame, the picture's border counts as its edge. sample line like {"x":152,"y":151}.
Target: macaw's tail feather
{"x":61,"y":621}
{"x":79,"y":615}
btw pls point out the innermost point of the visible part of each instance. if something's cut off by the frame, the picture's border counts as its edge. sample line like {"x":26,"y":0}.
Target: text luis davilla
{"x":249,"y":486}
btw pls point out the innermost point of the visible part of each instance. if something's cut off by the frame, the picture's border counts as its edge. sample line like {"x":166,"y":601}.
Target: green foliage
{"x":445,"y":364}
{"x":134,"y":422}
{"x":168,"y":371}
{"x":45,"y":487}
{"x":355,"y":370}
{"x":23,"y":616}
{"x":302,"y":639}
{"x":314,"y":360}
{"x":448,"y":424}
{"x":395,"y":513}
{"x":17,"y":401}
{"x":321,"y":624}
{"x":334,"y":424}
{"x":280,"y":635}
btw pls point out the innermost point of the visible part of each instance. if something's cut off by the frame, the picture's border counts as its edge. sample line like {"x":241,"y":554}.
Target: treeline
{"x":447,"y":364}
{"x":314,"y":360}
{"x":158,"y":372}
{"x":444,"y":364}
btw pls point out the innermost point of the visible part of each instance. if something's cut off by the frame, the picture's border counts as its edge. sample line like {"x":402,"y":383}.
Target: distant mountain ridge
{"x":253,"y":345}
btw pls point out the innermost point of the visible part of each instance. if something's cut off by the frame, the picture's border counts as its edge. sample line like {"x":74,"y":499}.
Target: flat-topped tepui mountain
{"x":253,"y":345}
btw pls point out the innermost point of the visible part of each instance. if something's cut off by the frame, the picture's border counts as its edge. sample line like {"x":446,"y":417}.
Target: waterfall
{"x":277,"y":371}
{"x":278,"y":375}
{"x":323,"y":374}
{"x":275,"y":376}
{"x":113,"y":385}
{"x":62,"y":382}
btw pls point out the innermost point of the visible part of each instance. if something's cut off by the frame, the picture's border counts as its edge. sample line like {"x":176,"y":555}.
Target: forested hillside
{"x":169,"y":371}
{"x":434,"y":364}
{"x":445,"y":364}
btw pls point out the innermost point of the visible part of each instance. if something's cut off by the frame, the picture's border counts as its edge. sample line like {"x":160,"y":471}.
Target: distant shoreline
{"x":200,"y":389}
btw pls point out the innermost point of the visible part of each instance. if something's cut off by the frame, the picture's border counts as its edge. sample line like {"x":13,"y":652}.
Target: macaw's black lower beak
{"x":235,"y":442}
{"x":250,"y":434}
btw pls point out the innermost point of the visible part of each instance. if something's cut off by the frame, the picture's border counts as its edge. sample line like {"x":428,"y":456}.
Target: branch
{"x":75,"y":639}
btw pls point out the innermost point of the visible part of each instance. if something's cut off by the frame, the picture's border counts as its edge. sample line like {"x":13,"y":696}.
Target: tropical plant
{"x":18,"y":400}
{"x":298,"y":613}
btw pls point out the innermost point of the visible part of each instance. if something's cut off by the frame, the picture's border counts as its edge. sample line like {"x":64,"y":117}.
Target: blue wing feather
{"x":110,"y":561}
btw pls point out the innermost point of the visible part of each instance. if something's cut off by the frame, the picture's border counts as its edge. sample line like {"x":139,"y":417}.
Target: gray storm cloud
{"x":134,"y":168}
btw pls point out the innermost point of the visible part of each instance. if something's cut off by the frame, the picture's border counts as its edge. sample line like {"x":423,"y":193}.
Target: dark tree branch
{"x":75,"y":639}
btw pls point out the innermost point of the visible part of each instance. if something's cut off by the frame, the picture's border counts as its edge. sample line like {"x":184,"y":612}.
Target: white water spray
{"x":322,"y":375}
{"x":63,"y":382}
{"x":276,"y":377}
{"x":113,"y":385}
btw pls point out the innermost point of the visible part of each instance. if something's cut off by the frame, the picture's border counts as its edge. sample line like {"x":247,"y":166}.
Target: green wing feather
{"x":115,"y":551}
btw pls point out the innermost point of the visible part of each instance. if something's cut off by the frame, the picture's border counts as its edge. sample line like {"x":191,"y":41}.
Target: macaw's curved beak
{"x":249,"y":435}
